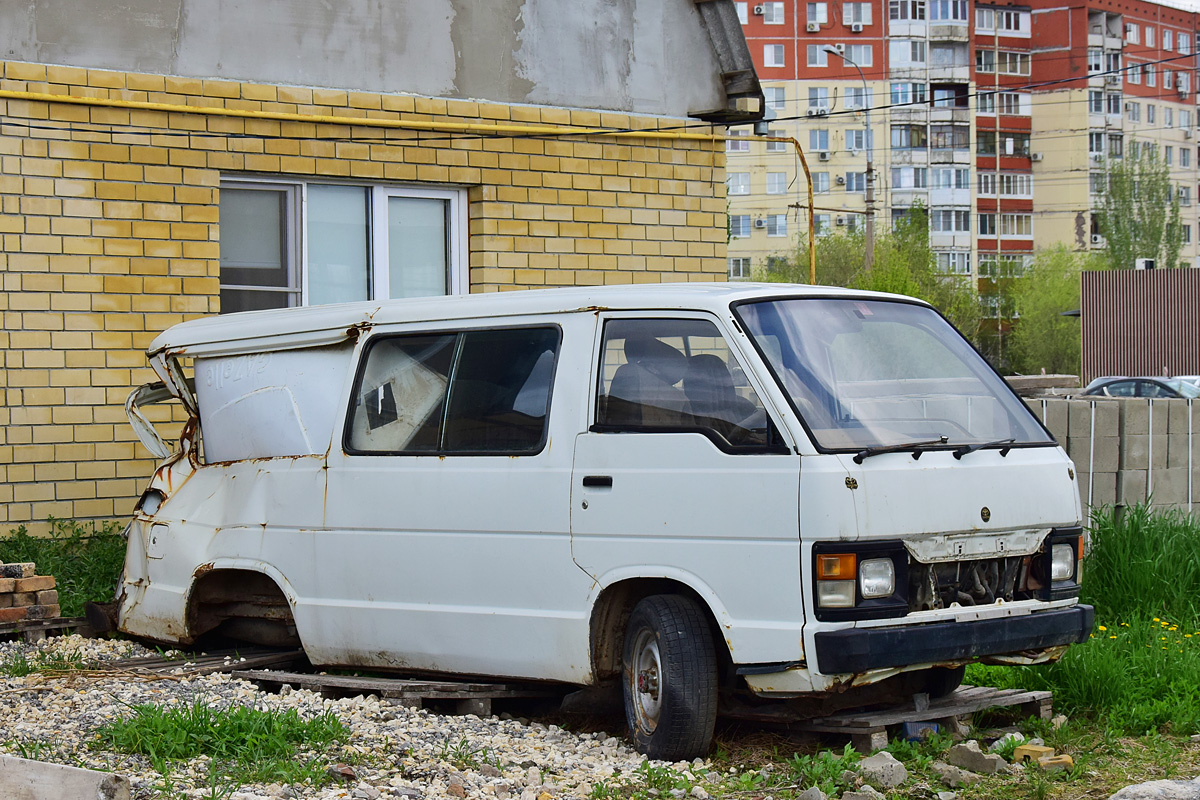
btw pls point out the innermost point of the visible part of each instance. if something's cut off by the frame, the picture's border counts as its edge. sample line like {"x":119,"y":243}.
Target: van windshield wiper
{"x":959,"y":452}
{"x":916,"y":448}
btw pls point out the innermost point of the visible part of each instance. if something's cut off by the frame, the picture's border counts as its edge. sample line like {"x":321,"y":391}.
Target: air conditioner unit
{"x":1097,"y":158}
{"x":823,"y":155}
{"x":1187,"y":134}
{"x":759,"y":11}
{"x":813,"y":27}
{"x":818,"y":111}
{"x":1097,"y":239}
{"x":1112,"y":80}
{"x":856,"y":27}
{"x":841,"y":48}
{"x":1143,"y":263}
{"x":760,"y":223}
{"x":839,"y":220}
{"x":841,"y":180}
{"x":1035,"y":156}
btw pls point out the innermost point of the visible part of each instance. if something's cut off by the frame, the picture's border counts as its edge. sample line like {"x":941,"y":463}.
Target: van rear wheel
{"x":669,"y":675}
{"x":943,"y":681}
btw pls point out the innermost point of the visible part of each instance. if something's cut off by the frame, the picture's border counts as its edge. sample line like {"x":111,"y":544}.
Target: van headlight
{"x":877,"y":577}
{"x":1062,"y":562}
{"x":866,"y":580}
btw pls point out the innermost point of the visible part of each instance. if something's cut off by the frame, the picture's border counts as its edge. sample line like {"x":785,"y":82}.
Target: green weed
{"x":85,"y":559}
{"x":823,"y":769}
{"x":248,"y":744}
{"x":20,"y":665}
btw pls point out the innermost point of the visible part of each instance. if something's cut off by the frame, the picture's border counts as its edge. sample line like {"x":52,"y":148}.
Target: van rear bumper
{"x":853,"y":650}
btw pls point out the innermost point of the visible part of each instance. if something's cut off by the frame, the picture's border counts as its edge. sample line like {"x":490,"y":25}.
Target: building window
{"x":821,"y":222}
{"x":948,"y":55}
{"x":945,"y":220}
{"x":950,"y":178}
{"x":954,"y":262}
{"x":1151,"y":113}
{"x":987,"y":225}
{"x":1016,"y":104}
{"x":907,"y":93}
{"x":777,"y":183}
{"x":773,"y":55}
{"x":1150,"y":36}
{"x":818,"y":139}
{"x":987,"y":184}
{"x":910,"y":177}
{"x":738,"y":183}
{"x":1011,"y":143}
{"x":985,"y":61}
{"x":1112,"y":104}
{"x":1016,"y":225}
{"x":773,"y":13}
{"x":1097,"y":183}
{"x":856,"y":181}
{"x":1185,"y":157}
{"x":1187,"y":233}
{"x":949,"y":137}
{"x":857,"y":97}
{"x":948,"y":10}
{"x":818,"y":12}
{"x":1131,"y":33}
{"x":738,"y":142}
{"x":1095,"y":63}
{"x":742,"y":15}
{"x":1016,"y":184}
{"x":817,"y":57}
{"x":818,"y":98}
{"x":909,"y":137}
{"x":1134,"y":73}
{"x":906,"y":51}
{"x":1116,"y":145}
{"x":776,"y":147}
{"x":950,"y":95}
{"x":739,"y":268}
{"x":820,"y":182}
{"x":739,"y":226}
{"x":1185,"y":119}
{"x":1133,"y":111}
{"x":1096,"y":143}
{"x":776,"y":97}
{"x":906,"y":9}
{"x":363,"y":243}
{"x":856,"y":139}
{"x":1184,"y":48}
{"x":856,"y":13}
{"x":1009,"y":62}
{"x":776,"y":224}
{"x":861,"y":54}
{"x":1095,"y":102}
{"x":1169,"y":156}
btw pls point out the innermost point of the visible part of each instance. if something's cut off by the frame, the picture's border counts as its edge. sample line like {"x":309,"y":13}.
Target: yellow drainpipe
{"x":405,"y":124}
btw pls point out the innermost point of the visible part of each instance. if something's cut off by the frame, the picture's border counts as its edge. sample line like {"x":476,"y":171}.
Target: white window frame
{"x":739,"y":266}
{"x":737,"y":184}
{"x":816,"y":56}
{"x":773,"y":13}
{"x":861,"y":54}
{"x":817,"y":12}
{"x":296,"y":238}
{"x":777,"y":183}
{"x":770,"y":51}
{"x":776,"y":97}
{"x":777,"y":225}
{"x":743,"y":12}
{"x":856,"y":13}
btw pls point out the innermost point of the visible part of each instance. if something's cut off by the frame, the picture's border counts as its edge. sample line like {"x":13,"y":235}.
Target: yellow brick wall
{"x":108,"y":218}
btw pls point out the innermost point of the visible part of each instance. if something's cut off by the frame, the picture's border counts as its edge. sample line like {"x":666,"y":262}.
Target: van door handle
{"x":604,"y":481}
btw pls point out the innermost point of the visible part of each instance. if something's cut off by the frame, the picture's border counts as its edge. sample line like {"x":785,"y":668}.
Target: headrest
{"x":656,"y":357}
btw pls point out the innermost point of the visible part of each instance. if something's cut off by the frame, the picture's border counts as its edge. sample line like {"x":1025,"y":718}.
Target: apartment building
{"x":1003,"y":120}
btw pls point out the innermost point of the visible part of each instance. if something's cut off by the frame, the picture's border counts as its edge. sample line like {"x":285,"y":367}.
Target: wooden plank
{"x":27,"y":626}
{"x":966,"y":700}
{"x":406,"y":691}
{"x":193,"y":664}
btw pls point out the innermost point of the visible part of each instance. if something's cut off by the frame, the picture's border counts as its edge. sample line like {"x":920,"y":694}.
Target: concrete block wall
{"x":1129,"y":450}
{"x":109,"y":196}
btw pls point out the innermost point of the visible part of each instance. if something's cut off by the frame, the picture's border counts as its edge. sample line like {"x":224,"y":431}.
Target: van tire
{"x":943,"y":681}
{"x":669,"y":678}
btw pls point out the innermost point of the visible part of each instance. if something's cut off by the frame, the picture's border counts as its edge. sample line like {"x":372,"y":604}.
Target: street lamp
{"x":870,"y":198}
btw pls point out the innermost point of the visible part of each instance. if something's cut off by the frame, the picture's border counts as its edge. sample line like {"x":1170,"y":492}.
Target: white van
{"x":705,"y":493}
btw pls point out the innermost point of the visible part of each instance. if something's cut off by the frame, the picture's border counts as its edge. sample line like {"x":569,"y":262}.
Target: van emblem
{"x":985,"y":514}
{"x":851,"y":483}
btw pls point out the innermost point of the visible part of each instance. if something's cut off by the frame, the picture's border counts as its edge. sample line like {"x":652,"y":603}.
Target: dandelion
{"x":1156,"y":619}
{"x":1101,"y":627}
{"x":1112,"y":637}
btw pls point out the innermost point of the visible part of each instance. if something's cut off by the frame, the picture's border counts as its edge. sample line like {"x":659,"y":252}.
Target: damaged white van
{"x":713,"y":496}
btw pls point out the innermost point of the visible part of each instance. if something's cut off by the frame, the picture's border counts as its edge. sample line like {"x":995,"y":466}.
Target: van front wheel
{"x":669,"y":674}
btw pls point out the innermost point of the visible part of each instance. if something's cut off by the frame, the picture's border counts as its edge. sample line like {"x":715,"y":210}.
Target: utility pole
{"x":869,"y":260}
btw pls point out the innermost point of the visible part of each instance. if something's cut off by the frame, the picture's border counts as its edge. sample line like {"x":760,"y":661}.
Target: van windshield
{"x":879,"y":373}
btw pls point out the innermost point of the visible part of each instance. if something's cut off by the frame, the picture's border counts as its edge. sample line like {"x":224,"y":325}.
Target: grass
{"x":20,"y":665}
{"x":85,"y":559}
{"x":1140,"y":671}
{"x":243,"y":745}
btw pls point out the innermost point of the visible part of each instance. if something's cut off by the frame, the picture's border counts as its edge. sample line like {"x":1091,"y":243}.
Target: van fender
{"x":651,"y":572}
{"x":249,"y":565}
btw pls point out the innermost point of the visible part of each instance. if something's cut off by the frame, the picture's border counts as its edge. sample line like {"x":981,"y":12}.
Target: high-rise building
{"x":1002,"y":120}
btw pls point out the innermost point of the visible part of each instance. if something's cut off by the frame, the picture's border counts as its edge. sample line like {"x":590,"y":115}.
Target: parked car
{"x":1120,"y":386}
{"x":689,"y":491}
{"x":1194,"y":380}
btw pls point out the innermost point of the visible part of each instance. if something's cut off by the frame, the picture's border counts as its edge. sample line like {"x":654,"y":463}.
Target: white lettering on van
{"x":239,"y":368}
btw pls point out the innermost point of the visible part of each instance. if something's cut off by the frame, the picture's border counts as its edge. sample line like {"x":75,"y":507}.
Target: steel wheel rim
{"x":645,"y":681}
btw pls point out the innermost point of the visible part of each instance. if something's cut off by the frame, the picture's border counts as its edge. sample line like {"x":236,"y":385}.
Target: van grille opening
{"x":971,"y":583}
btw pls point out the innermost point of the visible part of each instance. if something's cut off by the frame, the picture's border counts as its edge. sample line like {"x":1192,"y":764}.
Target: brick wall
{"x":108,"y":217}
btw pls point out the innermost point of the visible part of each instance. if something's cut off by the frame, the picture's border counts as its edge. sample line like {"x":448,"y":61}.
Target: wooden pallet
{"x":35,"y":630}
{"x":469,"y":697}
{"x":194,"y":664}
{"x":868,"y":730}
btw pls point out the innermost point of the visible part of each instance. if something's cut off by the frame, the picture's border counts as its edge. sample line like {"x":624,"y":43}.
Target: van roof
{"x":314,"y":326}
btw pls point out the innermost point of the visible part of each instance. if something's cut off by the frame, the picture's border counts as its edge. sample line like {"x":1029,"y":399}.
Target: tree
{"x":904,"y":264}
{"x":1042,"y":337}
{"x":1140,"y":218}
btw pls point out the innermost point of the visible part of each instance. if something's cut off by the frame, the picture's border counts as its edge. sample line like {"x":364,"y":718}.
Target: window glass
{"x":338,"y":266}
{"x":475,"y":392}
{"x":417,"y":251}
{"x":677,"y":374}
{"x":255,"y":252}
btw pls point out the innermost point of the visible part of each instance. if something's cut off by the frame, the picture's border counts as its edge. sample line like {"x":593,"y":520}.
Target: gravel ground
{"x":394,"y":751}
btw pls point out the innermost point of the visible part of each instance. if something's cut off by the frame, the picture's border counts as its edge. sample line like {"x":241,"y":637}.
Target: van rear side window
{"x":475,"y":392}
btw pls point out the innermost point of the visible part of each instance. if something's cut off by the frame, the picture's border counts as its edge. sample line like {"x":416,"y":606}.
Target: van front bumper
{"x":854,"y":650}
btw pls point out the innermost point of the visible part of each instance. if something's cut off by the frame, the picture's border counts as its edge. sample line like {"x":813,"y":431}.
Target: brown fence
{"x":1141,"y":322}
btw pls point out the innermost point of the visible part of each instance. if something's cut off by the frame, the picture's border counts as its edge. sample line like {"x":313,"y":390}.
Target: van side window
{"x":475,"y":392}
{"x":673,"y":374}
